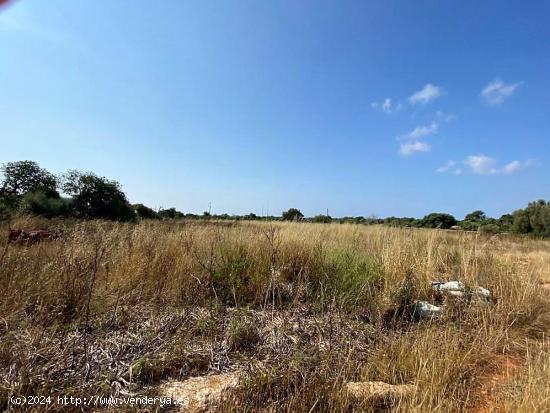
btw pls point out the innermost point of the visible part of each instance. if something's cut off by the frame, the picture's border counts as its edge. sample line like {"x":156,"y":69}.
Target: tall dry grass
{"x":300,"y":308}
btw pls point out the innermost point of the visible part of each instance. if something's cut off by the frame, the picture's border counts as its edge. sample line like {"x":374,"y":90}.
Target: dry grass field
{"x":298,"y":310}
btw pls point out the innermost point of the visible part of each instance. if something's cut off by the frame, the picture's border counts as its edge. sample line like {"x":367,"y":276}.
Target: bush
{"x":355,"y":280}
{"x":469,"y":225}
{"x":144,"y":212}
{"x":170,"y":213}
{"x":38,"y":203}
{"x":323,"y":219}
{"x":231,"y":279}
{"x":489,"y":229}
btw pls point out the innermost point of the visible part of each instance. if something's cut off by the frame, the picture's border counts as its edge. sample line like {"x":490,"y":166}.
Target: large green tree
{"x":96,"y":197}
{"x":535,"y":219}
{"x":19,"y":178}
{"x":28,"y":188}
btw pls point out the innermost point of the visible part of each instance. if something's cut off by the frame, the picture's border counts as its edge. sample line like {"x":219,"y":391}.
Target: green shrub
{"x":38,"y":203}
{"x":489,"y":229}
{"x":234,"y":279}
{"x":354,"y":280}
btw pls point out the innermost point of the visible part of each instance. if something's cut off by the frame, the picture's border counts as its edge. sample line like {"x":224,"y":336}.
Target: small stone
{"x":378,"y":392}
{"x":423,"y":309}
{"x":200,"y":394}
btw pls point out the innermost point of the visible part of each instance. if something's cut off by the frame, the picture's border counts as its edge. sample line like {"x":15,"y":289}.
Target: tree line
{"x":27,"y":188}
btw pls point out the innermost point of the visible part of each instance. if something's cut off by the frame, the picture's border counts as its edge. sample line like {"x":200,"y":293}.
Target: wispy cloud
{"x":421,"y":131}
{"x":485,"y":165}
{"x":497,"y":91}
{"x":447,"y":167}
{"x":425,"y":95}
{"x":482,"y":164}
{"x":387,"y":106}
{"x":412,"y":147}
{"x":414,"y":142}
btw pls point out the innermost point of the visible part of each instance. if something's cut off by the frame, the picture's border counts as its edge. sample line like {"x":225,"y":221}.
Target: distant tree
{"x":476,"y":216}
{"x":170,"y":213}
{"x":400,"y":222}
{"x":323,"y":219}
{"x":438,"y":220}
{"x":292,"y":214}
{"x":144,"y":212}
{"x":251,"y":217}
{"x":521,"y":224}
{"x":23,"y":177}
{"x":96,"y":197}
{"x":535,"y":219}
{"x":505,"y":222}
{"x":539,"y":217}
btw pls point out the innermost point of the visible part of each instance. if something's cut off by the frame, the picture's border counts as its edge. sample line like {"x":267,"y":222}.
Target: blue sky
{"x":385,"y":108}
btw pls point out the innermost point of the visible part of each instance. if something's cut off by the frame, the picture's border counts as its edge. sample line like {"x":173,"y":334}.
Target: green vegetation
{"x":292,"y":214}
{"x":28,"y":189}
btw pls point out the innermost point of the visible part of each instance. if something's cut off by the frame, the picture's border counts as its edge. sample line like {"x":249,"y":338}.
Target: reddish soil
{"x":505,"y":367}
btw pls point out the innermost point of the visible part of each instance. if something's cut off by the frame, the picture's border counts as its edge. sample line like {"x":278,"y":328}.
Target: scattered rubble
{"x":457,"y":289}
{"x":423,"y":309}
{"x":453,"y":290}
{"x":200,"y":394}
{"x":378,"y":392}
{"x":23,"y":237}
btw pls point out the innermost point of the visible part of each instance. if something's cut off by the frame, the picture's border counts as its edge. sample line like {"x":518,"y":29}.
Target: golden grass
{"x":298,"y":307}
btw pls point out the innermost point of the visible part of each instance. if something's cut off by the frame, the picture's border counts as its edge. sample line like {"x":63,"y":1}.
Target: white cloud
{"x":485,"y":165}
{"x":410,"y":148}
{"x":386,"y":106}
{"x":482,"y":164}
{"x":421,"y":131}
{"x":413,"y":143}
{"x":497,"y":91}
{"x":449,"y":165}
{"x":425,"y":95}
